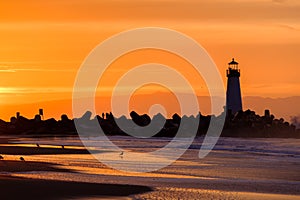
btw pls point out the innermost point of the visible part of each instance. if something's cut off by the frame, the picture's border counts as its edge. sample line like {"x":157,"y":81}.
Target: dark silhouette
{"x":296,"y":121}
{"x":233,"y":93}
{"x":121,"y":154}
{"x":141,"y":120}
{"x":23,"y":188}
{"x":1,"y":157}
{"x":241,"y":124}
{"x":238,"y":123}
{"x":41,"y":112}
{"x":22,"y":159}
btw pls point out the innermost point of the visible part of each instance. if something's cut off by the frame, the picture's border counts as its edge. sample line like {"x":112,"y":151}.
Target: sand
{"x":25,"y":166}
{"x":71,"y":173}
{"x":183,"y":193}
{"x":19,"y":188}
{"x":27,"y":188}
{"x":19,"y":150}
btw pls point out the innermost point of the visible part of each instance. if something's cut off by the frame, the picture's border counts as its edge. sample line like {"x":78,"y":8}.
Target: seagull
{"x":22,"y":159}
{"x":121,"y":154}
{"x":1,"y":157}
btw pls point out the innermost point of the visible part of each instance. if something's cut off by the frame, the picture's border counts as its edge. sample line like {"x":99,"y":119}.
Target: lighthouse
{"x":233,"y":93}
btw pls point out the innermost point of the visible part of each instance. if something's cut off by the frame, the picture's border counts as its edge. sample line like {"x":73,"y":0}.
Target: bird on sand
{"x":1,"y":157}
{"x":22,"y":159}
{"x":121,"y":154}
{"x":38,"y":145}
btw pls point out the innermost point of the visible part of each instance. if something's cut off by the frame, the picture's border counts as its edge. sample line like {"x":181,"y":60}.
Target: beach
{"x":235,"y":169}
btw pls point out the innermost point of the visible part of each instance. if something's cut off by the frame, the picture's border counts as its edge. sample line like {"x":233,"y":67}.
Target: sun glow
{"x":44,"y":43}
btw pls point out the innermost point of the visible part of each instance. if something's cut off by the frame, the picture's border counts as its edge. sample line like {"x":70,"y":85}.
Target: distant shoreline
{"x":244,"y":124}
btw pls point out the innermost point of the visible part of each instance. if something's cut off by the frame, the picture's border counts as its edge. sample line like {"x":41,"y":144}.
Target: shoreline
{"x":20,"y":150}
{"x":69,"y":173}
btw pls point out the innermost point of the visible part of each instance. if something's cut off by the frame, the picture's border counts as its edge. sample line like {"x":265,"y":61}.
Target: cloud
{"x":44,"y":70}
{"x":7,"y":70}
{"x":4,"y":68}
{"x":31,"y":90}
{"x":289,"y":27}
{"x":34,"y":70}
{"x":278,"y":1}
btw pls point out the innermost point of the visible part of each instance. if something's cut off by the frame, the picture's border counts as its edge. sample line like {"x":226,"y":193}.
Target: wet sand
{"x":20,"y":188}
{"x":182,"y":193}
{"x":19,"y":150}
{"x":224,"y":174}
{"x":27,"y":166}
{"x":27,"y":188}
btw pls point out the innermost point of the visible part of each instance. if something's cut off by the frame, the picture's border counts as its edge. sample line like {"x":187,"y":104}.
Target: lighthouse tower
{"x":233,"y":93}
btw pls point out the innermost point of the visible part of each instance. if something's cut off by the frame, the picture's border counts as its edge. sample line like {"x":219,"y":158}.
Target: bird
{"x":38,"y":145}
{"x":22,"y":159}
{"x":121,"y":154}
{"x":62,"y":146}
{"x":1,"y":157}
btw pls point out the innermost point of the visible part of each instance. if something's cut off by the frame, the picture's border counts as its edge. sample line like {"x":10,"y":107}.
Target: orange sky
{"x":43,"y":43}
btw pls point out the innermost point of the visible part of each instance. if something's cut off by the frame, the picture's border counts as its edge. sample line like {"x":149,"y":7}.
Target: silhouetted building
{"x":18,"y":115}
{"x":37,"y":118}
{"x":233,"y":93}
{"x":267,"y":113}
{"x":41,"y":112}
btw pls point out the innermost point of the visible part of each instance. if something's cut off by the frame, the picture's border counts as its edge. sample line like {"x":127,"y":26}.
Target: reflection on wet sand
{"x":235,"y":169}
